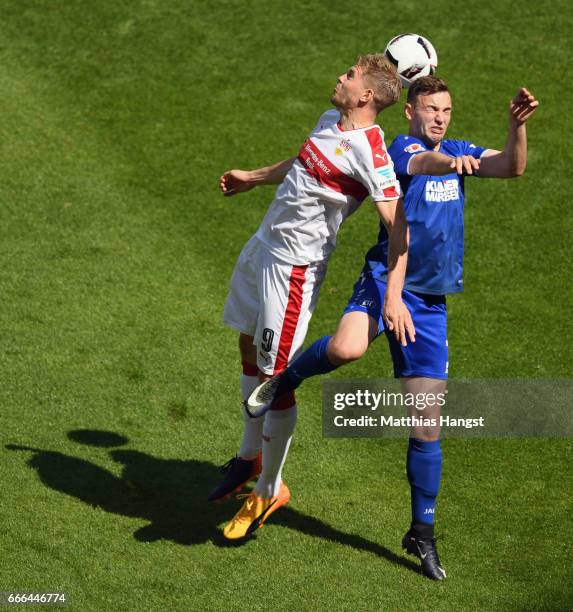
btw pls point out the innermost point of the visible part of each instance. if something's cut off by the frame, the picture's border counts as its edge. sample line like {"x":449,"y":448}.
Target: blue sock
{"x":424,"y":467}
{"x":312,"y":362}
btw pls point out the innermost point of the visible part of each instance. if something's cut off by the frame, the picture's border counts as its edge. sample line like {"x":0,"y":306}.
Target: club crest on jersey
{"x":442,"y":191}
{"x":343,"y":147}
{"x":414,"y":148}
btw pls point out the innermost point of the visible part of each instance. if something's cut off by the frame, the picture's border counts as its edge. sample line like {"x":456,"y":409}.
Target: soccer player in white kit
{"x":274,"y":287}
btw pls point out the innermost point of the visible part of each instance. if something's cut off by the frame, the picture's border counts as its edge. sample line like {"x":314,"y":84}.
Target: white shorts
{"x":272,"y":301}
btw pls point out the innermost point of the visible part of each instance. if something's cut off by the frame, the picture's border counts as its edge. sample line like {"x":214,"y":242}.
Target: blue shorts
{"x":428,"y":356}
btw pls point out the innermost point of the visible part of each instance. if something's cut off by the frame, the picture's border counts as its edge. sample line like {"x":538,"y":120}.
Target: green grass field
{"x":117,"y":120}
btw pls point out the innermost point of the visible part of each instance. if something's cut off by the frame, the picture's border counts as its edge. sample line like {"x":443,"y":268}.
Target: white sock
{"x":252,"y":441}
{"x":277,"y":434}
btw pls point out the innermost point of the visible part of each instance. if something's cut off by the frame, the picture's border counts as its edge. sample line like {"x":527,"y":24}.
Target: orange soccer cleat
{"x":254,"y":512}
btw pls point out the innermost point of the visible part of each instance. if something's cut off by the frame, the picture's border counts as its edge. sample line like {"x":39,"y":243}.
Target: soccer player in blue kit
{"x":431,"y":171}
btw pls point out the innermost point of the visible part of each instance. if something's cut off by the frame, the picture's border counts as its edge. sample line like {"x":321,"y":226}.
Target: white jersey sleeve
{"x":374,"y":167}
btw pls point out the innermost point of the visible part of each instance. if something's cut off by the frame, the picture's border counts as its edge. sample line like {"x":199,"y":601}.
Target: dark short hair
{"x":425,"y":86}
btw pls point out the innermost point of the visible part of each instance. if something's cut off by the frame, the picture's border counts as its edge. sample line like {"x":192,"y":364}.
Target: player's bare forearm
{"x":512,"y":161}
{"x":438,"y":164}
{"x":396,"y":316}
{"x":517,"y":149}
{"x":398,"y":236}
{"x":239,"y":181}
{"x":272,"y":175}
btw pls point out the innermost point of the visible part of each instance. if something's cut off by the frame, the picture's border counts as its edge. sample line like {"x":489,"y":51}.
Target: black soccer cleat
{"x":425,"y":550}
{"x":238,"y":473}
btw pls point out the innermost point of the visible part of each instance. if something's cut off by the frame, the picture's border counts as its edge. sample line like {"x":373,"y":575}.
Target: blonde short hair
{"x":379,"y":72}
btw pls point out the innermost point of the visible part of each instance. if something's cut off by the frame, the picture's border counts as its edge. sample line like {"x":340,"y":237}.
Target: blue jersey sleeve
{"x":469,"y":148}
{"x":465,"y":147}
{"x":402,"y":150}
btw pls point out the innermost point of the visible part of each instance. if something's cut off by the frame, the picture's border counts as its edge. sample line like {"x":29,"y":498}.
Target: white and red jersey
{"x":334,"y":172}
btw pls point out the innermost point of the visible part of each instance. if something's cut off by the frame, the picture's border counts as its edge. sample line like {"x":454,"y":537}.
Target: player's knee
{"x":426,"y":434}
{"x":345,"y":351}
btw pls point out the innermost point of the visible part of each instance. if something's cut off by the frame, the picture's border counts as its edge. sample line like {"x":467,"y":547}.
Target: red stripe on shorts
{"x":292,"y":314}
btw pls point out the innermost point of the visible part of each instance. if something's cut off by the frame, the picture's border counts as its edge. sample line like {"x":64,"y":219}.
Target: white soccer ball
{"x":413,"y":55}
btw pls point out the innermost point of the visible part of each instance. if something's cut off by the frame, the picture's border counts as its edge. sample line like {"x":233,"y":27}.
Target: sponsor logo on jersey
{"x":328,"y":174}
{"x":414,"y":148}
{"x":442,"y":191}
{"x":391,"y":182}
{"x":313,"y":159}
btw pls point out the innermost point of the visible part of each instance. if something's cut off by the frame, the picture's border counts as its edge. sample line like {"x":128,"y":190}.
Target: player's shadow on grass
{"x":169,"y":494}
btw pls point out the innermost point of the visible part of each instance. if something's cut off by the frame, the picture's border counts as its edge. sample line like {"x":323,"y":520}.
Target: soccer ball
{"x":413,"y":55}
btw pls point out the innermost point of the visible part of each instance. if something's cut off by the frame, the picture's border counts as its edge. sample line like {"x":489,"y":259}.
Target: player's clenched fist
{"x":235,"y":181}
{"x":522,"y":106}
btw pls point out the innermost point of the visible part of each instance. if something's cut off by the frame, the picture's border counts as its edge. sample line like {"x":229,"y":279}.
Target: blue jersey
{"x":434,"y":208}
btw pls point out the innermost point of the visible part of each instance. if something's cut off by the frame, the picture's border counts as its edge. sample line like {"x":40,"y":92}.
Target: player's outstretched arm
{"x":438,"y":164}
{"x":239,"y":181}
{"x":396,"y":315}
{"x":513,"y":159}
